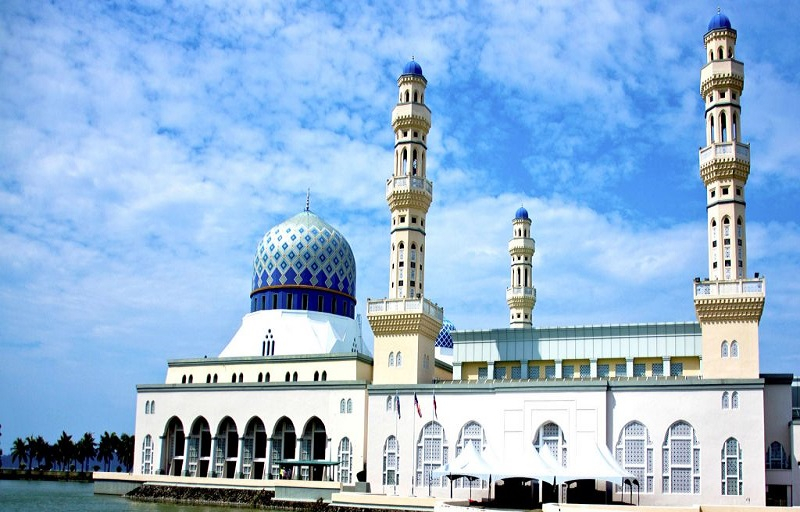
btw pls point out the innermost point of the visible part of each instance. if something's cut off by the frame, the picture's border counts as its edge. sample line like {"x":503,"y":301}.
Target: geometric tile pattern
{"x":305,"y":250}
{"x":444,"y":339}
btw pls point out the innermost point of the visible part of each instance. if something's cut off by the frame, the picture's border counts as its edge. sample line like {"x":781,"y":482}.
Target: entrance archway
{"x":314,"y":447}
{"x":198,"y":458}
{"x":284,"y":445}
{"x":227,"y":453}
{"x":172,"y":448}
{"x":254,"y":449}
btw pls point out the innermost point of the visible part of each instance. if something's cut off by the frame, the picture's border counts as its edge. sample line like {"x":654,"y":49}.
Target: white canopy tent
{"x":591,"y":462}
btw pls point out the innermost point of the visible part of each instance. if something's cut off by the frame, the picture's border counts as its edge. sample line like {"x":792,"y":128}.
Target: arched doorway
{"x":172,"y":448}
{"x":254,"y":449}
{"x":314,"y":447}
{"x":227,"y":452}
{"x":284,"y":445}
{"x":198,"y":458}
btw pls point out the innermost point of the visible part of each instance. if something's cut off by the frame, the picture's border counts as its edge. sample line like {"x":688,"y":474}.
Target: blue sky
{"x":148,"y":146}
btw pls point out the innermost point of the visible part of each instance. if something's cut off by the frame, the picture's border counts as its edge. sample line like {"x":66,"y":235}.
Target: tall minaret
{"x":408,"y":192}
{"x":521,"y":295}
{"x":406,"y":324}
{"x":728,"y":305}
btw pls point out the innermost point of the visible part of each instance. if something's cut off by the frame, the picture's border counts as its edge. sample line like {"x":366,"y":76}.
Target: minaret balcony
{"x":724,"y":151}
{"x":519,"y":292}
{"x":405,"y":316}
{"x":409,"y":192}
{"x":733,"y":288}
{"x":721,"y":73}
{"x":522,"y":246}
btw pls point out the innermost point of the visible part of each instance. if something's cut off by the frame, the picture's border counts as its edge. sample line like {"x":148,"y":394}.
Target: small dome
{"x":522,"y":213}
{"x":719,"y":21}
{"x":444,"y":340}
{"x":412,"y":68}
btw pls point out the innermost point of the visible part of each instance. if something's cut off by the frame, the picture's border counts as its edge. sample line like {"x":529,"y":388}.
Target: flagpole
{"x":396,"y":439}
{"x":413,"y":446}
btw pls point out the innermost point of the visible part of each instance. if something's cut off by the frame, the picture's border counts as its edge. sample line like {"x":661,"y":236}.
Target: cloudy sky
{"x":146,"y":147}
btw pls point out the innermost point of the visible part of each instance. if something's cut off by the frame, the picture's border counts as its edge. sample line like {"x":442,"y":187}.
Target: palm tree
{"x":39,"y":450}
{"x":125,"y":449}
{"x":21,"y":451}
{"x":65,"y":449}
{"x":86,"y":449}
{"x":105,"y":449}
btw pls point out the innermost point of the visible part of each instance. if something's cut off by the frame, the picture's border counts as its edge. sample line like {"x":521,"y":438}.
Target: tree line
{"x":66,"y":454}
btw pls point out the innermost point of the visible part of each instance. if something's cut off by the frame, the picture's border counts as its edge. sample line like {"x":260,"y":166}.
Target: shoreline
{"x":46,"y":476}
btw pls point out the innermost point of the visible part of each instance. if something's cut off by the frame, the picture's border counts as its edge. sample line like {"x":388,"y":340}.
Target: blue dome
{"x":522,"y":213}
{"x":412,"y":68}
{"x":444,"y":340}
{"x":307,"y":264}
{"x":719,"y":21}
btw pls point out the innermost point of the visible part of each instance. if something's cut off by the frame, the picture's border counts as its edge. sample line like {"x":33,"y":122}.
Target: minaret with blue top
{"x":521,"y":295}
{"x":728,"y":304}
{"x":406,"y":324}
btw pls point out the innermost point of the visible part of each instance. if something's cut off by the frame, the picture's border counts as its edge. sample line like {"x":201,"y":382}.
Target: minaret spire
{"x":308,"y":199}
{"x":521,"y":295}
{"x":727,"y":303}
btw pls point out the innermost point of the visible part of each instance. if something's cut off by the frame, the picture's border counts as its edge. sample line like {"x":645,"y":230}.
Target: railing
{"x":520,"y":291}
{"x":408,"y":183}
{"x":403,"y":305}
{"x":738,"y":287}
{"x":725,"y":149}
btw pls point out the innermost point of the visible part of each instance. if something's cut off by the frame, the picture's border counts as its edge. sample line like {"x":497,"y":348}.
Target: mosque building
{"x":678,"y":407}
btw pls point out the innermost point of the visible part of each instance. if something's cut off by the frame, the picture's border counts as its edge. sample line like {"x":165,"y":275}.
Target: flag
{"x":435,"y":414}
{"x":416,"y":404}
{"x":397,"y":404}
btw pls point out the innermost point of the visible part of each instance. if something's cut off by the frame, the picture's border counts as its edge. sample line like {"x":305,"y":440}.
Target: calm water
{"x":24,"y":496}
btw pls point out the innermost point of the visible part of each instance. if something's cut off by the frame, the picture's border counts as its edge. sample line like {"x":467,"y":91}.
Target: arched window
{"x":191,"y":379}
{"x":267,"y":377}
{"x":634,"y":452}
{"x":724,"y":349}
{"x":233,"y":378}
{"x":413,"y":253}
{"x":734,"y":348}
{"x":735,"y":400}
{"x":401,"y":251}
{"x":294,"y":377}
{"x":720,"y":54}
{"x":391,"y":358}
{"x":208,"y":379}
{"x":711,"y":55}
{"x":241,"y":377}
{"x":316,"y":376}
{"x":153,"y":407}
{"x":183,"y":379}
{"x":681,"y":460}
{"x":723,"y":126}
{"x":711,"y":117}
{"x":349,"y":406}
{"x":731,"y":468}
{"x":730,"y":52}
{"x":215,"y":377}
{"x":406,"y":96}
{"x":735,"y":133}
{"x":344,"y":469}
{"x":147,"y":407}
{"x":725,"y":400}
{"x":391,"y":461}
{"x":324,"y":375}
{"x":415,"y":96}
{"x":432,"y":452}
{"x":288,"y":377}
{"x":341,"y":406}
{"x":776,"y":457}
{"x":550,"y":437}
{"x":147,"y":455}
{"x":404,"y":167}
{"x":399,"y":359}
{"x":260,"y":377}
{"x":471,"y":434}
{"x":389,"y":403}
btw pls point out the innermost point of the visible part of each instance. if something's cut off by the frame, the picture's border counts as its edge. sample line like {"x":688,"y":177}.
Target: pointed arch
{"x":147,"y":455}
{"x":254,"y":450}
{"x":724,"y":349}
{"x":313,"y":446}
{"x":391,"y":461}
{"x":431,"y":451}
{"x":777,"y":457}
{"x":344,"y":472}
{"x":731,"y":468}
{"x":284,"y":444}
{"x":723,"y":126}
{"x":634,"y":452}
{"x":471,"y":433}
{"x":172,"y":449}
{"x":549,"y":436}
{"x":198,"y":458}
{"x":735,"y":127}
{"x":726,"y":401}
{"x":711,"y":121}
{"x":734,"y":348}
{"x":735,"y":400}
{"x":681,"y":460}
{"x":227,"y":453}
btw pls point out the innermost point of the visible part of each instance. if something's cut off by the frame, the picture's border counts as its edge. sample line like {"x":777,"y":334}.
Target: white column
{"x":456,"y":371}
{"x":558,"y":369}
{"x":185,"y":466}
{"x":667,"y":366}
{"x":490,"y":370}
{"x":523,"y":369}
{"x":213,"y":460}
{"x":239,"y":455}
{"x":593,"y":368}
{"x":629,"y":367}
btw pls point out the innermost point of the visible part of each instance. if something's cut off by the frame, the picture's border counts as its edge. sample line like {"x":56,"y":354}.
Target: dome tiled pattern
{"x":444,"y":340}
{"x":305,"y":251}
